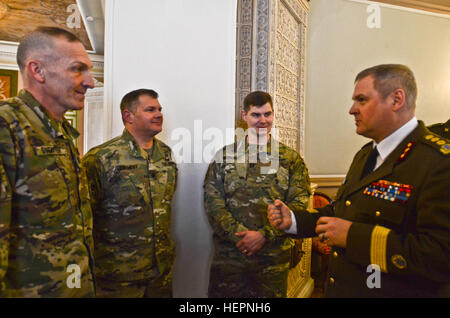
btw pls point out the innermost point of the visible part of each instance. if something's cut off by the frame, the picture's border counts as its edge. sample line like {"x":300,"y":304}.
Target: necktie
{"x":370,"y":163}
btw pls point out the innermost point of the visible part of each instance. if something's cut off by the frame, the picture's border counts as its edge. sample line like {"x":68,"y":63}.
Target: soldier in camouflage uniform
{"x":45,"y":219}
{"x":252,"y":259}
{"x":132,"y":180}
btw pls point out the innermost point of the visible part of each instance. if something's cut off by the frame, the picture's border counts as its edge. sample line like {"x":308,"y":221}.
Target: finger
{"x":273,"y":209}
{"x":272,"y":212}
{"x":277,"y":224}
{"x":240,"y":233}
{"x":275,"y":215}
{"x":241,"y":244}
{"x":276,"y":219}
{"x":253,"y":249}
{"x":273,"y":223}
{"x":323,"y":220}
{"x":321,"y":229}
{"x":278,"y":203}
{"x":323,"y":237}
{"x":242,"y":249}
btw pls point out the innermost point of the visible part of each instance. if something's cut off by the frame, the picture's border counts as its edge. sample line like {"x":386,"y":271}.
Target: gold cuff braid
{"x":378,"y":247}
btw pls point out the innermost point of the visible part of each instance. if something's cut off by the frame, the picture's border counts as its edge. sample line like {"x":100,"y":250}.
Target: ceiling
{"x":20,"y":17}
{"x":93,"y":15}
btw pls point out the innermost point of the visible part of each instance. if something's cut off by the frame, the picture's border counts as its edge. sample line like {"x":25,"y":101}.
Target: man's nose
{"x":352,"y":110}
{"x":89,"y":80}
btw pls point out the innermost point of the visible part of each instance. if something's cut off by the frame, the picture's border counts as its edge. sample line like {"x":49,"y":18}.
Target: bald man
{"x":45,"y":218}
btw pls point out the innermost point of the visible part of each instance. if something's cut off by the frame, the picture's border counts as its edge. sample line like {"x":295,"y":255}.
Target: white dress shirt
{"x":388,"y":144}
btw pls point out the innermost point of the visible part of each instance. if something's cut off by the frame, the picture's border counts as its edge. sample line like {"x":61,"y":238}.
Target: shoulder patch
{"x":437,"y":142}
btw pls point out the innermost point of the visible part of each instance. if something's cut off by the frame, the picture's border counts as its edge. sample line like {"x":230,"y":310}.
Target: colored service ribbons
{"x":390,"y":191}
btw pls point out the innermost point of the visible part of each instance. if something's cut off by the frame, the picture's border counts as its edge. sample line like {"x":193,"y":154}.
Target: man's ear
{"x":243,"y":115}
{"x":398,"y":99}
{"x":127,"y":116}
{"x":36,"y":70}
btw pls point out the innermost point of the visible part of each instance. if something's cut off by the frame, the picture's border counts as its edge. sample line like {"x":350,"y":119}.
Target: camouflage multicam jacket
{"x":131,"y":195}
{"x":45,"y":217}
{"x":238,"y":190}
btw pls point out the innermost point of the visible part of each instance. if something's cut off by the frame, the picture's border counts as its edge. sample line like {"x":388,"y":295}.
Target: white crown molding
{"x":402,"y":6}
{"x":8,"y":52}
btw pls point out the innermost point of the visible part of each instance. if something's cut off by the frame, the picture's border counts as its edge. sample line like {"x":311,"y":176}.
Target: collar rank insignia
{"x":390,"y":191}
{"x":406,"y":151}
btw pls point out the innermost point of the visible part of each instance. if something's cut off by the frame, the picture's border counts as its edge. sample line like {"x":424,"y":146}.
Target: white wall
{"x":185,"y":50}
{"x":340,"y":45}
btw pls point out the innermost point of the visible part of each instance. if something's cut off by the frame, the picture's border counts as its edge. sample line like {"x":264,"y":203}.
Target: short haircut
{"x":131,"y":100}
{"x":258,"y":99}
{"x":389,"y":77}
{"x":41,"y":39}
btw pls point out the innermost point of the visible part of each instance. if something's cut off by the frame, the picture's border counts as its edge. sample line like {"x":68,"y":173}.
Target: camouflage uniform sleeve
{"x":297,"y":198}
{"x":171,"y":156}
{"x":93,"y":173}
{"x":222,"y":221}
{"x":299,"y":185}
{"x":6,"y":152}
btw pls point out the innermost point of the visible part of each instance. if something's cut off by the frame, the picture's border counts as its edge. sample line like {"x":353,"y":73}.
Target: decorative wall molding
{"x":300,"y":283}
{"x":327,"y":181}
{"x":439,"y":8}
{"x":327,"y":184}
{"x":244,"y":49}
{"x":436,"y":6}
{"x":271,"y":37}
{"x":98,"y":64}
{"x":8,"y":51}
{"x":262,"y":43}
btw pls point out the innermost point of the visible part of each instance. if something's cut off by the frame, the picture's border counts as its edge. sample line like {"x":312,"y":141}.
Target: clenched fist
{"x":279,"y":215}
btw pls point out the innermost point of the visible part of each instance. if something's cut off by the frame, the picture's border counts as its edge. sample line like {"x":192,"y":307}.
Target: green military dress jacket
{"x":131,"y":193}
{"x":45,"y":216}
{"x":237,"y":191}
{"x":401,"y":222}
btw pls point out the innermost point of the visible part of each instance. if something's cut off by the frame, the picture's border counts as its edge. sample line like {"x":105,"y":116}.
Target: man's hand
{"x":333,"y":231}
{"x":251,"y":242}
{"x":279,"y":215}
{"x":320,"y":247}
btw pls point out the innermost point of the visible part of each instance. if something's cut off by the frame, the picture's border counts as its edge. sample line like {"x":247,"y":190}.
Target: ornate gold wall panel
{"x":271,"y":38}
